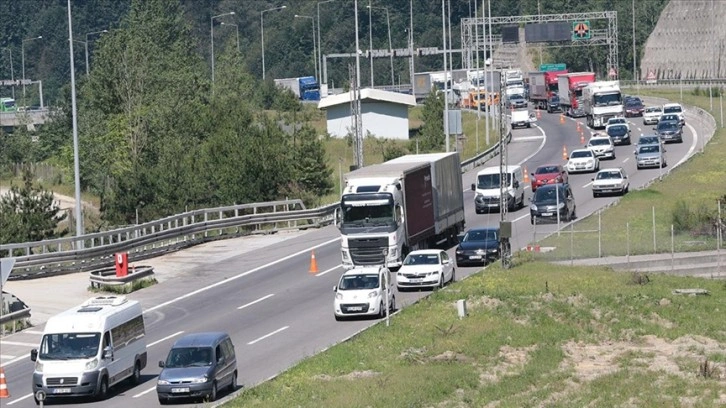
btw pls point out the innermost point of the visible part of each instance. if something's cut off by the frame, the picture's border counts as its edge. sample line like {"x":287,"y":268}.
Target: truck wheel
{"x":102,"y":392}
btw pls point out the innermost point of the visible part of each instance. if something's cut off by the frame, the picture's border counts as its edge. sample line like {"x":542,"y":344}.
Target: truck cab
{"x":602,"y":101}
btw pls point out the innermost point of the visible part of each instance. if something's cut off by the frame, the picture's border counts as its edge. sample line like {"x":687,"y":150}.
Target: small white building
{"x":384,"y":113}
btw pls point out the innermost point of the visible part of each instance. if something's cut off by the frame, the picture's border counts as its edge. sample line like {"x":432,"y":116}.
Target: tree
{"x":431,"y":136}
{"x":29,"y":213}
{"x":312,"y":173}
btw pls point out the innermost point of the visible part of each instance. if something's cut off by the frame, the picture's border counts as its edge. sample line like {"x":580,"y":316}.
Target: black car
{"x":669,"y":131}
{"x":634,"y":107}
{"x":478,"y":246}
{"x":517,"y":101}
{"x":551,"y":199}
{"x":553,"y":104}
{"x":619,"y":134}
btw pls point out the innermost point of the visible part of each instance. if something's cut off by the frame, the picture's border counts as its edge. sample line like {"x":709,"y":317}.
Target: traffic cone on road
{"x":578,"y":127}
{"x":582,"y":138}
{"x":526,"y":175}
{"x":562,"y":119}
{"x":539,"y":114}
{"x":564,"y":152}
{"x":313,"y":263}
{"x":4,"y":393}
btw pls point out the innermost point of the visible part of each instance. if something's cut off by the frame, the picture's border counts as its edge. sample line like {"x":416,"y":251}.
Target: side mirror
{"x":161,"y":364}
{"x":33,"y":354}
{"x":460,"y":237}
{"x":532,"y":174}
{"x":337,"y":217}
{"x":515,"y":184}
{"x":592,"y":179}
{"x":335,"y":288}
{"x":473,"y":187}
{"x":107,"y":353}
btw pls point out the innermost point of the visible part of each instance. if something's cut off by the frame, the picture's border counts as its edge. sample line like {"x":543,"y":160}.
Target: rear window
{"x":672,"y":109}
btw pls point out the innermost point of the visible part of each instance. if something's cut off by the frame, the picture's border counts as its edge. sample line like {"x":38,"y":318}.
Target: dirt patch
{"x":450,"y":356}
{"x":590,"y":361}
{"x":485,"y":302}
{"x":355,"y":375}
{"x":510,"y":361}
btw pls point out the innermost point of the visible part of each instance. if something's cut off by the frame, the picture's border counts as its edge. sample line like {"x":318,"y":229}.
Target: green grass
{"x":535,"y":336}
{"x":628,"y":227}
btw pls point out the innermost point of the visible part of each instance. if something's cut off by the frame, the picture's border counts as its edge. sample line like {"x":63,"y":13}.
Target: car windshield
{"x":547,"y":170}
{"x":653,"y":110}
{"x":544,"y":194}
{"x":633,"y":104}
{"x":649,"y":140}
{"x":616,"y":120}
{"x":599,"y":141}
{"x":421,"y":259}
{"x":667,"y":126}
{"x":189,"y":357}
{"x":581,"y":154}
{"x":555,"y":99}
{"x":69,"y":346}
{"x":480,"y":235}
{"x":672,"y":109}
{"x":617,"y":130}
{"x":648,"y":149}
{"x":609,"y":175}
{"x":358,"y":282}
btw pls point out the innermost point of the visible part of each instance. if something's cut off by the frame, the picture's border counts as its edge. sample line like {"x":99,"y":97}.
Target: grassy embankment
{"x":688,"y":193}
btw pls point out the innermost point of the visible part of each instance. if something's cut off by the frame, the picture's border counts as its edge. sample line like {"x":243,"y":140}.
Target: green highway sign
{"x":580,"y":30}
{"x":552,"y":67}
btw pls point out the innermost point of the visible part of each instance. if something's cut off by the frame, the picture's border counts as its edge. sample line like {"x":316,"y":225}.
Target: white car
{"x":674,"y":108}
{"x":602,"y":145}
{"x":651,"y":114}
{"x":425,"y":268}
{"x":361,"y":292}
{"x":582,"y":160}
{"x":610,"y":181}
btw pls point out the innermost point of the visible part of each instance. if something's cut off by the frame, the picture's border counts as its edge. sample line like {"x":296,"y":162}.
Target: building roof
{"x":368,"y":93}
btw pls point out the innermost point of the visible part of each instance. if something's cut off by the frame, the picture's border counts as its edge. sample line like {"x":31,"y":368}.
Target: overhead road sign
{"x":552,"y":67}
{"x":581,"y":30}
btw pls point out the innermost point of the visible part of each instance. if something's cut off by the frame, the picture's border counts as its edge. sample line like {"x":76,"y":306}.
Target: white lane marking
{"x":541,"y":145}
{"x":15,"y":361}
{"x":329,"y":270}
{"x":241,"y":275}
{"x":626,"y":160}
{"x":165,"y":338}
{"x":526,"y":138}
{"x":19,"y":343}
{"x":521,"y":217}
{"x":7,"y":356}
{"x":694,"y":145}
{"x":32,"y":332}
{"x":256,"y":301}
{"x":144,"y":392}
{"x":268,"y":335}
{"x":20,"y":399}
{"x":587,"y":185}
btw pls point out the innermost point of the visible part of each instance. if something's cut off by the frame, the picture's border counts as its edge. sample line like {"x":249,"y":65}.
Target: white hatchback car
{"x":651,"y":114}
{"x":425,"y":268}
{"x":610,"y":181}
{"x":602,"y":145}
{"x":675,"y":108}
{"x":361,"y":292}
{"x":582,"y":160}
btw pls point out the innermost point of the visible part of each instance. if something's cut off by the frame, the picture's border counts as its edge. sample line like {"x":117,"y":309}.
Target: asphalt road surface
{"x":277,"y":313}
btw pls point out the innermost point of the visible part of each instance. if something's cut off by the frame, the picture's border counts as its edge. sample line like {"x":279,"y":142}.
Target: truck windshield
{"x":607,"y":99}
{"x":367,"y":209}
{"x":69,"y":346}
{"x":490,"y":181}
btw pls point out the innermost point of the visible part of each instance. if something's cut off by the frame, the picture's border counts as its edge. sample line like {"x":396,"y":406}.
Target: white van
{"x":89,"y":348}
{"x":487,"y":188}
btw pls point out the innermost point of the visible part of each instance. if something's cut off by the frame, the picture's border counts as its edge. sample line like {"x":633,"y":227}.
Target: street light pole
{"x":312,"y":20}
{"x":22,"y":51}
{"x":74,"y":111}
{"x":85,"y":43}
{"x":390,"y":46}
{"x":12,"y":73}
{"x":446,"y":76}
{"x":237,"y":28}
{"x":410,"y":44}
{"x":262,"y":35}
{"x":370,"y":38}
{"x":320,"y":44}
{"x":211,"y":25}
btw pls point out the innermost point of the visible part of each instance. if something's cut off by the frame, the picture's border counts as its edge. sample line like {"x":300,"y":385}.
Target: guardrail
{"x":92,"y":251}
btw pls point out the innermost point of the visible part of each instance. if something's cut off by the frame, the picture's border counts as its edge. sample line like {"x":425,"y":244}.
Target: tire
{"x":213,"y":392}
{"x":102,"y":392}
{"x":233,"y":385}
{"x":135,"y":378}
{"x":627,"y":188}
{"x":381,"y":311}
{"x":392,"y":307}
{"x":163,"y":401}
{"x":574,"y":214}
{"x":595,"y":195}
{"x":531,"y":220}
{"x":441,"y":282}
{"x":453,"y":275}
{"x":338,"y":318}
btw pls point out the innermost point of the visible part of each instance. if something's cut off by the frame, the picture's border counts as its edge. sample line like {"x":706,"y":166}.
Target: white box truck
{"x":89,"y":348}
{"x":602,"y":100}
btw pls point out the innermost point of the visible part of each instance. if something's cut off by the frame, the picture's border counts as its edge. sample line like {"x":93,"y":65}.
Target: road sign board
{"x":580,"y":30}
{"x":6,"y":265}
{"x":16,"y":82}
{"x":651,"y":78}
{"x":552,"y":67}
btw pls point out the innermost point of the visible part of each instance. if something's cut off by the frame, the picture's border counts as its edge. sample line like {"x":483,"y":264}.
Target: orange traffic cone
{"x":582,"y":138}
{"x":564,"y":152}
{"x":313,"y":263}
{"x":526,"y":175}
{"x":539,"y":114}
{"x":4,"y":393}
{"x":578,"y":127}
{"x":562,"y":119}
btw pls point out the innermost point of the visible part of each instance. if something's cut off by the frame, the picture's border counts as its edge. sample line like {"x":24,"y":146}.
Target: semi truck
{"x":602,"y":100}
{"x":542,"y":85}
{"x":408,"y":203}
{"x":305,"y":88}
{"x":570,"y":91}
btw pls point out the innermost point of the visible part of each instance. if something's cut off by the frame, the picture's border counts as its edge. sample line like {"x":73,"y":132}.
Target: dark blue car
{"x":478,"y":246}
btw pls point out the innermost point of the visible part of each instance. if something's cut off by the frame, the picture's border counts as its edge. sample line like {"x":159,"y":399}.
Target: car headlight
{"x":200,"y":380}
{"x":91,"y":365}
{"x":373,"y":294}
{"x":561,"y":205}
{"x":339,"y":296}
{"x":494,"y":250}
{"x":459,"y":252}
{"x":38,"y":367}
{"x":163,"y":382}
{"x":533,"y":207}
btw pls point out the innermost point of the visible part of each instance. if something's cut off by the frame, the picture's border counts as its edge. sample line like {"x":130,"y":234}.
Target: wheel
{"x":233,"y":384}
{"x":531,"y":220}
{"x":441,"y":281}
{"x":213,"y":392}
{"x":627,"y":188}
{"x":392,"y":307}
{"x":574,"y":213}
{"x":338,"y":318}
{"x":136,"y":377}
{"x":594,"y":195}
{"x":453,"y":276}
{"x":163,"y":401}
{"x":102,"y":392}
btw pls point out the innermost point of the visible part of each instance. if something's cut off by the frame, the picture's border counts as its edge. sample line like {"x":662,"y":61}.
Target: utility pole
{"x":446,"y":76}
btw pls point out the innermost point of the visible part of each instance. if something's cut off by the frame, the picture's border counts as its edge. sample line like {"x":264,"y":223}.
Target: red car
{"x":548,"y":174}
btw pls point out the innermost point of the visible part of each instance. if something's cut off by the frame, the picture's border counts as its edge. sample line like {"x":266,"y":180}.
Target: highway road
{"x":277,"y":313}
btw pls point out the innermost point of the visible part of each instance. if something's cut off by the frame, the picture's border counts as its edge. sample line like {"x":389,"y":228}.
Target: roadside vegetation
{"x":535,"y":335}
{"x":686,"y":200}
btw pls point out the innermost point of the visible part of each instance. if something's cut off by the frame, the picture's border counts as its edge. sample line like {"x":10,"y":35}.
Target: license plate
{"x":475,"y":257}
{"x":355,"y":308}
{"x":416,"y":279}
{"x":179,"y":390}
{"x":61,"y":391}
{"x":547,"y":214}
